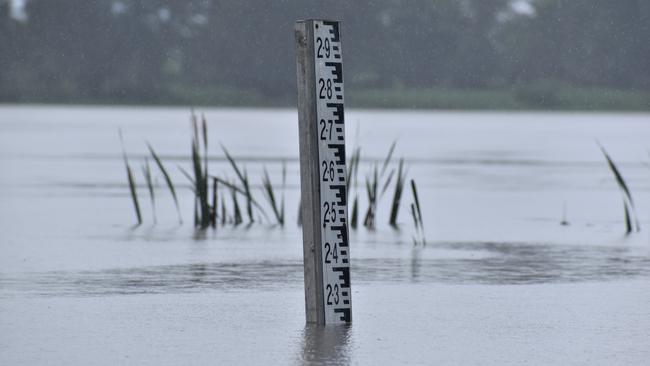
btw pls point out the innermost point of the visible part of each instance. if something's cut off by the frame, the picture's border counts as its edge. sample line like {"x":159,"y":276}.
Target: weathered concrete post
{"x":323,"y":172}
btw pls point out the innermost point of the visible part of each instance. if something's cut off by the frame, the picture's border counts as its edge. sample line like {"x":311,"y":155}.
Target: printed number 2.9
{"x":323,"y":47}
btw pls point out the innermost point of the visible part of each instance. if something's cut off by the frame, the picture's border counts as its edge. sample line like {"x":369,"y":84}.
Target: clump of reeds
{"x":631,"y":219}
{"x":131,"y":179}
{"x":206,"y":202}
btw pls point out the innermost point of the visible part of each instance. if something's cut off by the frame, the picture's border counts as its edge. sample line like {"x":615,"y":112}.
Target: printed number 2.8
{"x":325,"y":88}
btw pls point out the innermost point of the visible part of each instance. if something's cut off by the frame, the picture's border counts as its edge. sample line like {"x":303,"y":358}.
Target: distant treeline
{"x":242,"y":52}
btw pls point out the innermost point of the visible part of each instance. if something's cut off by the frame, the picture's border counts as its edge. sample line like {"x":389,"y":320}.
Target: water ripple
{"x":506,"y":263}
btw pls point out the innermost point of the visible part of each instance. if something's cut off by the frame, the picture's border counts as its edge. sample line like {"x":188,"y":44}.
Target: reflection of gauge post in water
{"x":323,"y":172}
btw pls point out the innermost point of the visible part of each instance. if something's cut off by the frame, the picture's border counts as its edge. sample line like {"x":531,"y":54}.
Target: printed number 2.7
{"x":324,"y":129}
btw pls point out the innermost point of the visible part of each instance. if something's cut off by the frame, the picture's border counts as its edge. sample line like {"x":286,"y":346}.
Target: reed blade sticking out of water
{"x":131,"y":179}
{"x":397,"y":195}
{"x":146,"y":171}
{"x":354,"y":218}
{"x":243,"y":178}
{"x":371,"y":187}
{"x":267,"y":187}
{"x":388,"y":158}
{"x":213,"y":209}
{"x":352,"y":173}
{"x":353,"y":169}
{"x":284,"y":188}
{"x":628,"y":202}
{"x":202,"y":213}
{"x":417,"y":213}
{"x":168,"y":180}
{"x":235,"y":206}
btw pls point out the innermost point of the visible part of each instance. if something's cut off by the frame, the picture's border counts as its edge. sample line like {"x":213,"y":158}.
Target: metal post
{"x":323,"y":172}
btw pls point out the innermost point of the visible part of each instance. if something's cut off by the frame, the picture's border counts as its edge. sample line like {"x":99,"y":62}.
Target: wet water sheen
{"x":498,"y":282}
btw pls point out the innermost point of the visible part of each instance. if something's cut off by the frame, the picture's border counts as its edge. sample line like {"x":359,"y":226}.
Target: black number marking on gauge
{"x":331,"y":149}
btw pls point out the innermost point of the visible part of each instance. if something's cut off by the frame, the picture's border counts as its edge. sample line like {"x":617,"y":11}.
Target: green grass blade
{"x":237,"y":212}
{"x":267,"y":187}
{"x":131,"y":179}
{"x":249,"y":197}
{"x":355,"y":212}
{"x":387,"y":182}
{"x":617,"y":175}
{"x":284,"y":187}
{"x":417,"y":201}
{"x":388,"y":158}
{"x":168,"y":180}
{"x":188,"y":176}
{"x":134,"y":194}
{"x":232,"y":162}
{"x":146,"y":171}
{"x":397,"y":195}
{"x":628,"y":221}
{"x":415,"y":216}
{"x":213,"y":209}
{"x":621,"y":183}
{"x":223,"y":210}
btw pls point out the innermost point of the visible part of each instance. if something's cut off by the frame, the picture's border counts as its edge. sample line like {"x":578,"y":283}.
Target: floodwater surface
{"x":499,"y":281}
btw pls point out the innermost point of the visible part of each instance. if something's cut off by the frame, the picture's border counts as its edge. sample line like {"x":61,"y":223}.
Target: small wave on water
{"x":475,"y":263}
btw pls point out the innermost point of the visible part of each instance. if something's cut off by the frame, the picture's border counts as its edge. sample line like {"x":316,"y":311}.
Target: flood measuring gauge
{"x":323,"y":172}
